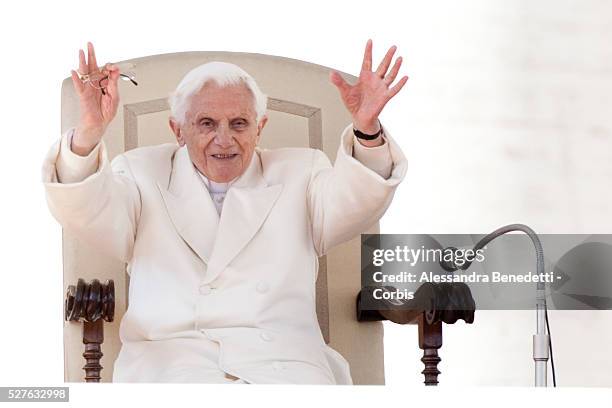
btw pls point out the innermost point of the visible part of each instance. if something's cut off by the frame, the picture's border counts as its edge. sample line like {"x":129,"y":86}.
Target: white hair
{"x":223,"y":74}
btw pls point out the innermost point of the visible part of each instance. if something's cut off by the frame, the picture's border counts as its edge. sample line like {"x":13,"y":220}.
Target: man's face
{"x":220,"y":130}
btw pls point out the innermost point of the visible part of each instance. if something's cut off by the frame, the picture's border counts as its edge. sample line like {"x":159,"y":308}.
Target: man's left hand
{"x":367,"y":98}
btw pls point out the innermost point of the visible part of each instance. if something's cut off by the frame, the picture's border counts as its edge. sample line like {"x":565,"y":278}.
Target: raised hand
{"x":367,"y":98}
{"x":98,"y":101}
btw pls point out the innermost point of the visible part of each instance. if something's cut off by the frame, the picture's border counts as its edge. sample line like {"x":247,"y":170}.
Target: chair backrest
{"x":304,"y":109}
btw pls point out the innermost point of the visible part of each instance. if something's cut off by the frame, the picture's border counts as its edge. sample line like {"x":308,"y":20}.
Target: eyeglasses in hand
{"x":99,"y":79}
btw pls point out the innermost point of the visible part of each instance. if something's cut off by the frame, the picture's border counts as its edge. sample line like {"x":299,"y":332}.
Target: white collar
{"x":213,"y":186}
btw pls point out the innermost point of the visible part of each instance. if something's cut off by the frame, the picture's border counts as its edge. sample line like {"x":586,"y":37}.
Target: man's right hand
{"x":97,"y":108}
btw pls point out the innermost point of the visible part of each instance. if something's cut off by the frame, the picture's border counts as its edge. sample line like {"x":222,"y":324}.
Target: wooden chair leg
{"x":93,"y":337}
{"x":436,"y":304}
{"x":91,"y":303}
{"x":430,"y":340}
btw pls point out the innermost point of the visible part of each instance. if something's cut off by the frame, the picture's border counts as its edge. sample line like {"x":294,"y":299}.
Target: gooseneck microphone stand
{"x":541,"y":340}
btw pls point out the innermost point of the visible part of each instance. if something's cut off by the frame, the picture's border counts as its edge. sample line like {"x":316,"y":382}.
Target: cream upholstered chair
{"x":304,"y":109}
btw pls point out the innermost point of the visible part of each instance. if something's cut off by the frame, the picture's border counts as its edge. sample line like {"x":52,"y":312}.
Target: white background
{"x":505,"y":118}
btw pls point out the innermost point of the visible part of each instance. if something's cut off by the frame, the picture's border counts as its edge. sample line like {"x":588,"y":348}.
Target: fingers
{"x":394,"y":71}
{"x":83,"y":69}
{"x":76,"y":82}
{"x":112,"y":88}
{"x":367,"y":57}
{"x":340,"y":83}
{"x":90,"y":65}
{"x":381,"y":71}
{"x":91,"y":58}
{"x":110,"y":68}
{"x":395,"y":89}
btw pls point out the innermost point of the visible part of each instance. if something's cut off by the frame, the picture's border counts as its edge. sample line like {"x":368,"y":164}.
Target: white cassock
{"x":223,"y":288}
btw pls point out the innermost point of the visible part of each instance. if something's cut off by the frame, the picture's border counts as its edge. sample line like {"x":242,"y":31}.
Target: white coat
{"x":235,"y":292}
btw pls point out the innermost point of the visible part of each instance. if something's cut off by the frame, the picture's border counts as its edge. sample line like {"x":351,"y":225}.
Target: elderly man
{"x":222,"y":238}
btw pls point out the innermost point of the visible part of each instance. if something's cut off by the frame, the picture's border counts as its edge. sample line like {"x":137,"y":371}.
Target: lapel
{"x":189,"y":206}
{"x":217,"y":241}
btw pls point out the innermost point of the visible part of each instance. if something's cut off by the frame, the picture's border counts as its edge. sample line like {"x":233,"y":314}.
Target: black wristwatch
{"x":364,"y":136}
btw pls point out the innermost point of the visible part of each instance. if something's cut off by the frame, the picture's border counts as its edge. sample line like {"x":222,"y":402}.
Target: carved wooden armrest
{"x":432,"y":305}
{"x":91,"y":303}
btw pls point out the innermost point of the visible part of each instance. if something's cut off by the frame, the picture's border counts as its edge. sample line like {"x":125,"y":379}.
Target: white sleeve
{"x":376,"y":158}
{"x":71,"y":167}
{"x":96,"y":200}
{"x":347,"y":198}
